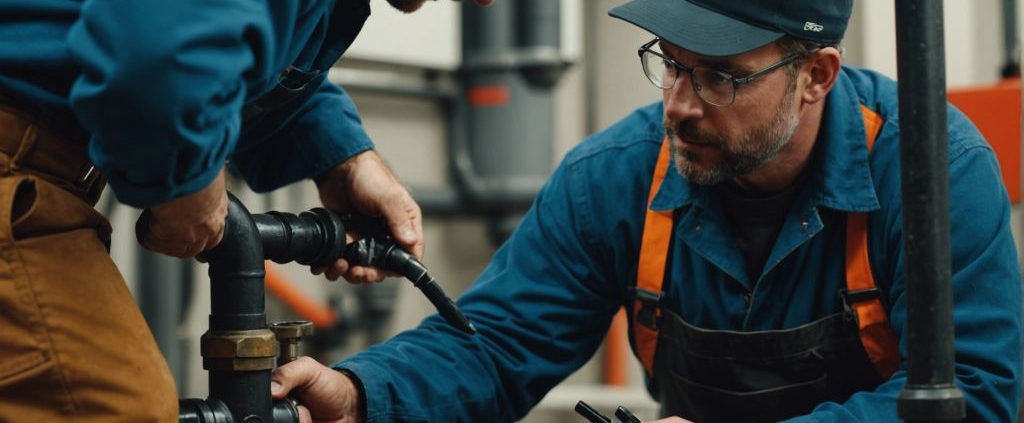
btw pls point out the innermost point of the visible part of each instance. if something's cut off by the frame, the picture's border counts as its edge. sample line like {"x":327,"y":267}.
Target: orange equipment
{"x":995,"y":110}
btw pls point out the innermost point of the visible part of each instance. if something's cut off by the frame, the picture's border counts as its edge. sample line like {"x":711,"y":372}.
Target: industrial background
{"x":472,"y":108}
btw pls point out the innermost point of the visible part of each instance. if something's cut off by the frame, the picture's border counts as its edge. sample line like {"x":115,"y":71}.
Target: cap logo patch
{"x":811,"y":26}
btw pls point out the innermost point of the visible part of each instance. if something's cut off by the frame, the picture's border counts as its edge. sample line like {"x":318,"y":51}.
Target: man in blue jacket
{"x":153,"y":97}
{"x":751,"y":224}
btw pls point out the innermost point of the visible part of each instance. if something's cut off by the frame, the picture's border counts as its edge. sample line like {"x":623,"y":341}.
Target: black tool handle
{"x":590,"y":413}
{"x":626,"y":416}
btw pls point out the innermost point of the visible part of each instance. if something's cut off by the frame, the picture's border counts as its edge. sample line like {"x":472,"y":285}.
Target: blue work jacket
{"x":161,"y":85}
{"x":544,"y":303}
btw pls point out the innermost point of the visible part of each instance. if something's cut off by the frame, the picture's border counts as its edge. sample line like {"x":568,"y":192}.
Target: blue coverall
{"x":544,"y":303}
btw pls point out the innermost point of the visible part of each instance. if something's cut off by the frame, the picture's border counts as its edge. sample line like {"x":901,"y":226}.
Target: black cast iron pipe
{"x":215,"y":411}
{"x":239,"y":350}
{"x":236,"y":273}
{"x":1011,"y":41}
{"x":237,"y":305}
{"x":930,"y":394}
{"x":239,"y":393}
{"x":315,"y":237}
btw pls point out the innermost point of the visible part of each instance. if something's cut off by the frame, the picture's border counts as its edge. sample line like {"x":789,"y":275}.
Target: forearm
{"x":315,"y":135}
{"x":160,"y":90}
{"x":532,"y":331}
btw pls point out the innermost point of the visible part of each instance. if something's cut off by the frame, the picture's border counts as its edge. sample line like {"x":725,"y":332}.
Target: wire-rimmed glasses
{"x":712,"y":85}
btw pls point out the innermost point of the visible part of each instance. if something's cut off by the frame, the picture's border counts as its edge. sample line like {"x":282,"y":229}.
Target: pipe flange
{"x":291,"y":329}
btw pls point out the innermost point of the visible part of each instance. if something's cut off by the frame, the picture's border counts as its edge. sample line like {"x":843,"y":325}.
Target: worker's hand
{"x":325,"y":395}
{"x":186,"y":226}
{"x":364,"y":183}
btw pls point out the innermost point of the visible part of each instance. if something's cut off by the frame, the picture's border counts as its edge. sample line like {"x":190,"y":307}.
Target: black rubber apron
{"x":714,"y":376}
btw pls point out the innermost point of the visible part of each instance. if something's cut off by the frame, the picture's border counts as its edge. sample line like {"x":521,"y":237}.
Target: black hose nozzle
{"x":317,"y":238}
{"x":385,"y":254}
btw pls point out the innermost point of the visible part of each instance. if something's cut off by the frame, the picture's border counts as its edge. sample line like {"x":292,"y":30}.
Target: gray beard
{"x":756,"y":149}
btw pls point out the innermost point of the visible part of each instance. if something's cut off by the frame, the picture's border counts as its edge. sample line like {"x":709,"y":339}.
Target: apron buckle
{"x":857,"y":296}
{"x":650,"y":303}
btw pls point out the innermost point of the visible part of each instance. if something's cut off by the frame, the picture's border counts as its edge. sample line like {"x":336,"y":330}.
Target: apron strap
{"x":654,"y":246}
{"x":861,"y":294}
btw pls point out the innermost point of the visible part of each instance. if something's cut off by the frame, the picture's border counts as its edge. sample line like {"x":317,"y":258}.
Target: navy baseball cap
{"x":730,"y":27}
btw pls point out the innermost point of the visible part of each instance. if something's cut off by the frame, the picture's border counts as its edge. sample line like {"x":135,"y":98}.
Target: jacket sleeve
{"x":986,"y":283}
{"x":315,"y":135}
{"x":541,"y":309}
{"x":161,"y":88}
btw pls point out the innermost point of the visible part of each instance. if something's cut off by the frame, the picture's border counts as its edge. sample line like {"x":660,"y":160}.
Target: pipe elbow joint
{"x":241,"y":248}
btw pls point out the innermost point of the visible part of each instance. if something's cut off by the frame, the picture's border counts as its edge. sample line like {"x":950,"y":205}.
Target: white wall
{"x":429,"y":37}
{"x":973,"y":39}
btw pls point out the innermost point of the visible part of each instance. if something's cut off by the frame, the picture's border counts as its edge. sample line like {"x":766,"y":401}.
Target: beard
{"x":407,"y":6}
{"x":737,"y":158}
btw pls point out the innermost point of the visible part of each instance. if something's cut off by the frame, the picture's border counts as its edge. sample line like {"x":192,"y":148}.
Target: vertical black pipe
{"x":1011,"y":41}
{"x":236,"y":274}
{"x":929,"y":395}
{"x":237,"y":304}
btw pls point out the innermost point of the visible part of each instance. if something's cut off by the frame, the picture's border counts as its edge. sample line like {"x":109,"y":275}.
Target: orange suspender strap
{"x":876,"y":334}
{"x":653,"y":253}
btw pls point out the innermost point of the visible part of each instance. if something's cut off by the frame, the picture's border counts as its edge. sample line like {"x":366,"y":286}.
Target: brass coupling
{"x":243,"y":350}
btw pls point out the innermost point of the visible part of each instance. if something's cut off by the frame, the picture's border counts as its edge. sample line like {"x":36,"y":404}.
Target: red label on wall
{"x":488,"y":95}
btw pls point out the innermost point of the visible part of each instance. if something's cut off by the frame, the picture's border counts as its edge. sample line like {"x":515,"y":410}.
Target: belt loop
{"x":28,"y":141}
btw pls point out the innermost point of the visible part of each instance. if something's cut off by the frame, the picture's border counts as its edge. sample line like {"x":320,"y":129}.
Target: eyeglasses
{"x":713,"y":86}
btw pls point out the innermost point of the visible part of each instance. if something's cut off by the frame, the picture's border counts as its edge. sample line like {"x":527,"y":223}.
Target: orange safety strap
{"x":876,"y":334}
{"x":653,"y":253}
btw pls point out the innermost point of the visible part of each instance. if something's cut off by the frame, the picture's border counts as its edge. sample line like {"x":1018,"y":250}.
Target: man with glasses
{"x":750,"y":223}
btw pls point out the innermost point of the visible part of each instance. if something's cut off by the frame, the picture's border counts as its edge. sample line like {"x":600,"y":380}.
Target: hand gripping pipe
{"x":239,"y":349}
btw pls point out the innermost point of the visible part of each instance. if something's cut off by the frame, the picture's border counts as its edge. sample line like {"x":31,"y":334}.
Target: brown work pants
{"x":73,"y":345}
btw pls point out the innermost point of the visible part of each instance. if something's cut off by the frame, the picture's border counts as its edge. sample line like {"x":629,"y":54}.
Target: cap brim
{"x":695,"y":28}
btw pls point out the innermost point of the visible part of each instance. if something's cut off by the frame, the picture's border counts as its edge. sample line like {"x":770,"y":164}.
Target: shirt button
{"x":747,"y":299}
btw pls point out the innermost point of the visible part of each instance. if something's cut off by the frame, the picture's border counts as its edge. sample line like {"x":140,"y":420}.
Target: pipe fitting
{"x":239,"y":350}
{"x":289,"y":334}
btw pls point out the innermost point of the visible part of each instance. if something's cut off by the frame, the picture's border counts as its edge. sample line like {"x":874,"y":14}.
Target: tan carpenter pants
{"x":73,"y":345}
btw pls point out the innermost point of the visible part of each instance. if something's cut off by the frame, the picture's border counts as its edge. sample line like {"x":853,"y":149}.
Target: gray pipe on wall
{"x":501,"y":137}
